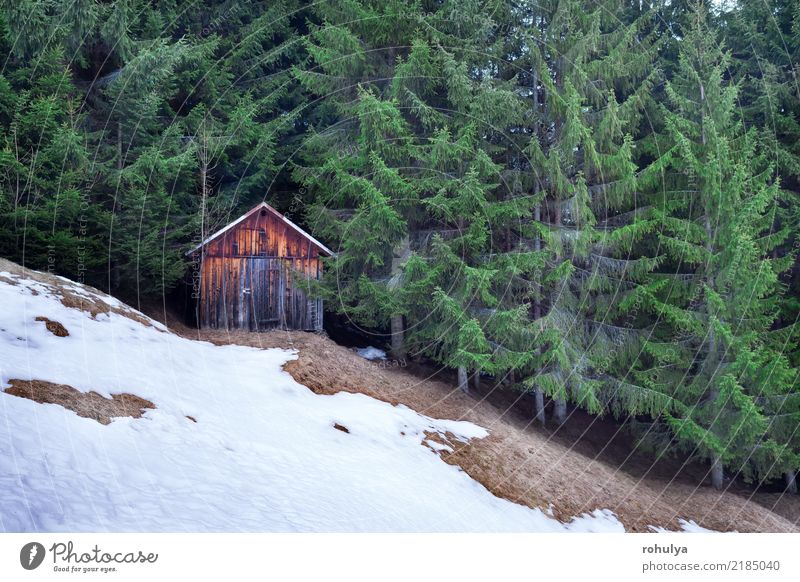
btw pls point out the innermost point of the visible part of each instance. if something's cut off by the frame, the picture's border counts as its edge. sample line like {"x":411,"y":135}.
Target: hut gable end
{"x":254,"y":274}
{"x":263,"y":217}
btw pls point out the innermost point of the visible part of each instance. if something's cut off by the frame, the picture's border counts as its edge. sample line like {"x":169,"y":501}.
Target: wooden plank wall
{"x":248,"y":278}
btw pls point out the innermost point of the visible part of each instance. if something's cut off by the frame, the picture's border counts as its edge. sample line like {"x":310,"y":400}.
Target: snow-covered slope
{"x":263,"y":454}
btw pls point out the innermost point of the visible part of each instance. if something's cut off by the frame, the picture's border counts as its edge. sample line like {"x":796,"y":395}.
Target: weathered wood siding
{"x":251,"y":278}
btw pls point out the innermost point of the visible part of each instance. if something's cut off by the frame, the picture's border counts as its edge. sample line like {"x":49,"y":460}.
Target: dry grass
{"x":582,"y":466}
{"x":53,"y":327}
{"x":87,"y":404}
{"x":64,"y":291}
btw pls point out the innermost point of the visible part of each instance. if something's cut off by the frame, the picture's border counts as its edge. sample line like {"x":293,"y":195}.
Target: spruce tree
{"x":765,"y":43}
{"x":112,"y":98}
{"x":714,"y":297}
{"x":572,"y":65}
{"x":404,"y":179}
{"x":47,"y":219}
{"x":186,"y":132}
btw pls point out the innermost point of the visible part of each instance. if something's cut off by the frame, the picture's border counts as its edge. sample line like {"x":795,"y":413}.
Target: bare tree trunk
{"x":539,"y":404}
{"x":463,"y":380}
{"x":196,"y":292}
{"x":717,"y":472}
{"x":476,"y":380}
{"x":702,"y":113}
{"x":400,"y":255}
{"x":203,"y":194}
{"x":791,"y":482}
{"x":560,"y":411}
{"x":115,"y":274}
{"x":717,"y":469}
{"x":398,"y":337}
{"x":202,"y":158}
{"x":119,"y":145}
{"x":538,"y":397}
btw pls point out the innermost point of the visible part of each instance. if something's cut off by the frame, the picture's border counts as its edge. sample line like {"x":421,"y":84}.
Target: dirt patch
{"x":341,"y":427}
{"x":584,"y":465}
{"x":53,"y":327}
{"x":87,"y":404}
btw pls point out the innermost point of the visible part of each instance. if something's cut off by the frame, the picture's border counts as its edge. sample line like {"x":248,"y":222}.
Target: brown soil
{"x":586,"y":464}
{"x":341,"y":427}
{"x":53,"y":327}
{"x":87,"y":404}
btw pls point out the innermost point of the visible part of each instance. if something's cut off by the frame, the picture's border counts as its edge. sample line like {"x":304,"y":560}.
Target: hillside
{"x":588,"y":463}
{"x":112,"y":422}
{"x":526,"y":190}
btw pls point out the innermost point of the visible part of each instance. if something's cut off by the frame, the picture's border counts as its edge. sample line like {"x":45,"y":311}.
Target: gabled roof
{"x":276,"y":214}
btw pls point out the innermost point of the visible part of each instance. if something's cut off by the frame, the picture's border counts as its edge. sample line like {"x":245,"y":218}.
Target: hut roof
{"x":276,"y":214}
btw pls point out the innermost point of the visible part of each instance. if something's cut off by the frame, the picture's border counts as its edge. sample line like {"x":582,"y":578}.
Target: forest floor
{"x":585,"y":464}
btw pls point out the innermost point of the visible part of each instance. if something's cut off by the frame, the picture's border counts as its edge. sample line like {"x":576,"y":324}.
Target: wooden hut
{"x":251,"y":274}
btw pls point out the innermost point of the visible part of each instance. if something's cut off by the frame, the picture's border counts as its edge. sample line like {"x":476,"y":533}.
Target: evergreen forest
{"x":590,"y":202}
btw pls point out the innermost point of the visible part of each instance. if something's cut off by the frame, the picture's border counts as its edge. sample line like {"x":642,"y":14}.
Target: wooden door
{"x":301,"y":311}
{"x":264,"y":278}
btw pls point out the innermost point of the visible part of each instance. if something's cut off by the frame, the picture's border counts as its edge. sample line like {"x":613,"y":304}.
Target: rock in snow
{"x":233,"y":444}
{"x":371,"y":353}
